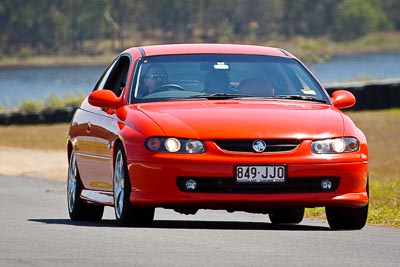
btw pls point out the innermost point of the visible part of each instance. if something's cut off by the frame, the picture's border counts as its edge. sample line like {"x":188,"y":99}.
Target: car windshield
{"x":223,"y":76}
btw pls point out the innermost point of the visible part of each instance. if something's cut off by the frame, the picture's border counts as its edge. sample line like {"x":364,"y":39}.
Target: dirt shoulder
{"x":51,"y":165}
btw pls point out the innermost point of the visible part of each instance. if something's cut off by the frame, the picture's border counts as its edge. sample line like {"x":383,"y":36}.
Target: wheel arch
{"x":117,"y":143}
{"x":69,"y":150}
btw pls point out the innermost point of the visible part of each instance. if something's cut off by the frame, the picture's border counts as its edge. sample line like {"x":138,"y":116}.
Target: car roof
{"x":175,"y":49}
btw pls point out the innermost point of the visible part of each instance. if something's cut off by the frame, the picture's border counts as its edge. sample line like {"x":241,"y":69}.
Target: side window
{"x":104,"y":76}
{"x":114,"y":78}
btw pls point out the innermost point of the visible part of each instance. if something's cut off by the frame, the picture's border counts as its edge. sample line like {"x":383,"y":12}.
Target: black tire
{"x":78,"y":210}
{"x":287,"y":215}
{"x":345,"y":218}
{"x":125,"y":213}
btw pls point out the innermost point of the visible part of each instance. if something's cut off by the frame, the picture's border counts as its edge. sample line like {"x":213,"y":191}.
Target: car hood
{"x":245,"y":119}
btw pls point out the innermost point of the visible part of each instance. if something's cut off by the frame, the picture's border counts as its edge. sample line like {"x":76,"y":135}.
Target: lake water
{"x":376,"y":66}
{"x":17,"y":84}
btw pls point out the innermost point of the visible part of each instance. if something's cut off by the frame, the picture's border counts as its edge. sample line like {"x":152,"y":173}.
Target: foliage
{"x":363,"y":16}
{"x":30,"y":106}
{"x":52,"y":101}
{"x":66,"y":26}
{"x":71,"y":99}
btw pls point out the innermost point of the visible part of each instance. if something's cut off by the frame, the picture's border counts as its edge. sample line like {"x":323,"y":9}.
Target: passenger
{"x":256,"y":87}
{"x":217,"y":81}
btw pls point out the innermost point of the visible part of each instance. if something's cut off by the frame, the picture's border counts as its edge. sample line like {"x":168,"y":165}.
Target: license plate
{"x":260,"y":173}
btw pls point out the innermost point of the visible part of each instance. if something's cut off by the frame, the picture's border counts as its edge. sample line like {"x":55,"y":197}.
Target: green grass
{"x":385,"y":203}
{"x":382,"y":129}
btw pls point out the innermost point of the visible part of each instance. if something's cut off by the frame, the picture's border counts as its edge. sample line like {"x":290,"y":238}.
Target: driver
{"x":155,"y":76}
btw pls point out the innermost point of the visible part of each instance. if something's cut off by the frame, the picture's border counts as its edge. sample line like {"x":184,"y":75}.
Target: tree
{"x":49,"y":26}
{"x":392,"y":9}
{"x":355,"y":18}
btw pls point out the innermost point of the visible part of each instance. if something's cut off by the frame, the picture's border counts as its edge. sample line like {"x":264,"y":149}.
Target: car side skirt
{"x":100,"y":197}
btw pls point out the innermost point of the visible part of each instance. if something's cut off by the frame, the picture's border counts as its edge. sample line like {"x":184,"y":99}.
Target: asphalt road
{"x":35,"y":231}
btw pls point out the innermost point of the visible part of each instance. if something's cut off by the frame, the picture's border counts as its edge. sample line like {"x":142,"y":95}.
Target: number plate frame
{"x":261,"y":174}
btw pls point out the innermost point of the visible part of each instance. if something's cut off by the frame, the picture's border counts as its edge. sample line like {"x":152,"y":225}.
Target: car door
{"x":95,"y":148}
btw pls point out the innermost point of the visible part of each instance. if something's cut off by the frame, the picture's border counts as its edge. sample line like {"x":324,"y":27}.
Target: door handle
{"x":89,"y":127}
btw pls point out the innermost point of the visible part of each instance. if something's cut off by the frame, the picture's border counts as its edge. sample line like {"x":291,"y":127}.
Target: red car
{"x":215,"y":126}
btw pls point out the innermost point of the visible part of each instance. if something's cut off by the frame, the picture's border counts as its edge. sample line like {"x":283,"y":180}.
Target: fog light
{"x":326,"y":184}
{"x":190,"y":185}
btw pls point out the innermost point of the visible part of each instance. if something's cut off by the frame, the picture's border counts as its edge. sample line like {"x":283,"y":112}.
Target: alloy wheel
{"x":119,"y":184}
{"x":72,"y":185}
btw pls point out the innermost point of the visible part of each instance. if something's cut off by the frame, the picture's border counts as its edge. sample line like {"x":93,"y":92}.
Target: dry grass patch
{"x":44,"y":137}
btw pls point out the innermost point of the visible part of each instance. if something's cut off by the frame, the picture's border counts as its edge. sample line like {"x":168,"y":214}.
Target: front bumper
{"x":157,"y":185}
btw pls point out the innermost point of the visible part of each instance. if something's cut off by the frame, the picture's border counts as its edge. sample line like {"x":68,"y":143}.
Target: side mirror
{"x":105,"y":99}
{"x":343,"y":99}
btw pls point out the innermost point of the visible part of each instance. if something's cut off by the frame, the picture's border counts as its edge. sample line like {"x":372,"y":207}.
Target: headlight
{"x":333,"y":146}
{"x":153,"y":144}
{"x":172,"y":144}
{"x":175,"y":145}
{"x":194,"y":146}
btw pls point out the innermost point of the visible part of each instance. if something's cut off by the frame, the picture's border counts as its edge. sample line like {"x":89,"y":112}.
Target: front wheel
{"x":125,"y":213}
{"x":344,"y":218}
{"x":78,"y":210}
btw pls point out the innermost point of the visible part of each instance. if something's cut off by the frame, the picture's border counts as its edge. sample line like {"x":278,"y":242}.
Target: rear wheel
{"x":125,"y":213}
{"x":344,"y":218}
{"x":287,"y":215}
{"x":77,"y":208}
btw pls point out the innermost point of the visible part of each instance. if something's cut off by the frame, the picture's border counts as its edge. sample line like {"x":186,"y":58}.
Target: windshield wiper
{"x":301,"y":97}
{"x":216,"y":96}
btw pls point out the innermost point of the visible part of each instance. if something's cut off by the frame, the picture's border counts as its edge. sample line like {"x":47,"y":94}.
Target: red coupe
{"x":215,"y":126}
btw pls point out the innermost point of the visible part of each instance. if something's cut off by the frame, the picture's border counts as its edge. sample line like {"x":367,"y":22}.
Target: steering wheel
{"x":168,"y":87}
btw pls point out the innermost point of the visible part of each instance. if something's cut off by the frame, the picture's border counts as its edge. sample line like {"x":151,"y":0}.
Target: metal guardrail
{"x":371,"y":95}
{"x":43,"y":117}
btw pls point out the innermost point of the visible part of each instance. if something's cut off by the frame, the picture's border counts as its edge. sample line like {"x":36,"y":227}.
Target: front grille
{"x":229,"y":185}
{"x":272,"y":145}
